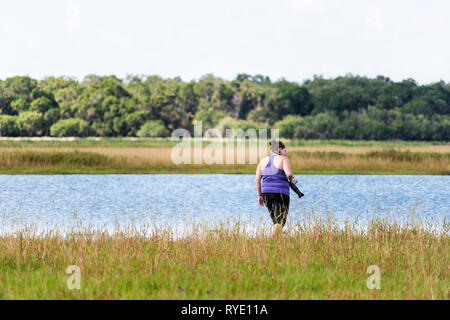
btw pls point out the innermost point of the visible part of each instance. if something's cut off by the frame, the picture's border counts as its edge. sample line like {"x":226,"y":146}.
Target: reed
{"x":158,"y":160}
{"x":314,"y":259}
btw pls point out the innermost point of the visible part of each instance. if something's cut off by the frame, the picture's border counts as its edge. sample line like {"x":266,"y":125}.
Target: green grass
{"x":363,"y":143}
{"x":87,"y":142}
{"x":167,"y":142}
{"x":314,"y":260}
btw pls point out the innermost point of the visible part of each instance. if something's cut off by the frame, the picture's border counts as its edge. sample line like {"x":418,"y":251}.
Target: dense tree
{"x":292,"y":99}
{"x":261,"y":115}
{"x":19,"y":87}
{"x":210,"y":118}
{"x":71,"y":128}
{"x":8,"y":126}
{"x":153,"y":128}
{"x":49,"y":118}
{"x":18,"y":105}
{"x":41,"y":105}
{"x":347,"y":107}
{"x":30,"y":123}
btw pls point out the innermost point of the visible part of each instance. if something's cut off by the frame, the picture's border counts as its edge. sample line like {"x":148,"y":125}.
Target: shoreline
{"x":62,"y":172}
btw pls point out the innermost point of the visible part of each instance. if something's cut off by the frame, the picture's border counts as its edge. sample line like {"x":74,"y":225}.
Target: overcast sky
{"x":294,"y":39}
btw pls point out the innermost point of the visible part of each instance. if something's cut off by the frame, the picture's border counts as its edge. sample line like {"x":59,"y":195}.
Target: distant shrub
{"x":8,"y":126}
{"x":289,"y":126}
{"x":41,"y":105}
{"x":30,"y":123}
{"x":72,"y":127}
{"x":153,"y":128}
{"x":19,"y":105}
{"x":210,"y":118}
{"x":229,"y":123}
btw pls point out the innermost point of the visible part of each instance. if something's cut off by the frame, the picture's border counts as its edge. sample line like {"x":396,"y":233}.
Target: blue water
{"x":107,"y":200}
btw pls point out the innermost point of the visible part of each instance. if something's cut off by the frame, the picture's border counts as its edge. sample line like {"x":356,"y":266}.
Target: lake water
{"x":56,"y":201}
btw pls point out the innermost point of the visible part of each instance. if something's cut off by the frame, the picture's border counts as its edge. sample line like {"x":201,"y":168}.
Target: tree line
{"x":347,"y":107}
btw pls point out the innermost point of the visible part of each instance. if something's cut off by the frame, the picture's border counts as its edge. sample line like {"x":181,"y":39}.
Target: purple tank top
{"x":274,"y":180}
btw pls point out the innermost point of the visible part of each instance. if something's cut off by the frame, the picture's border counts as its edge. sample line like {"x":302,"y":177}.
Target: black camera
{"x":296,"y":190}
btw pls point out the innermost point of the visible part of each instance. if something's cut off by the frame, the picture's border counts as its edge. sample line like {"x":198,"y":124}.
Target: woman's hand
{"x":292,"y":180}
{"x":260,"y":201}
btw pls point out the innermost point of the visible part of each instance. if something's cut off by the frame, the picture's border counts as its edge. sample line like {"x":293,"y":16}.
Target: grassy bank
{"x":315,"y":260}
{"x":158,"y":160}
{"x":167,"y":142}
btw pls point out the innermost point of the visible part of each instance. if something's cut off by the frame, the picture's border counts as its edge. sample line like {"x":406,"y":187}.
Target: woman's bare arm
{"x":258,"y":177}
{"x":288,"y":171}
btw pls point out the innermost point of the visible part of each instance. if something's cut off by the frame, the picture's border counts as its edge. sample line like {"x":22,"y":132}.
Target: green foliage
{"x":261,"y":115}
{"x":245,"y":125}
{"x":347,"y":107}
{"x":289,"y":127}
{"x":18,"y":105}
{"x":320,"y":126}
{"x":8,"y":126}
{"x":134,"y":121}
{"x":30,"y":123}
{"x":210,"y":117}
{"x":49,"y":118}
{"x":19,"y":87}
{"x":71,"y":128}
{"x":292,"y":99}
{"x":41,"y":105}
{"x":153,"y":128}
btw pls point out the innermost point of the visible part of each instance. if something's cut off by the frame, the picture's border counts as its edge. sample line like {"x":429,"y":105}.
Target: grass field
{"x":314,"y":260}
{"x":120,"y":155}
{"x":167,"y":142}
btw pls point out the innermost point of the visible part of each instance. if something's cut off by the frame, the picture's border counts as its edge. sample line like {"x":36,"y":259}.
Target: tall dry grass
{"x":384,"y":161}
{"x":315,"y":259}
{"x":158,"y":160}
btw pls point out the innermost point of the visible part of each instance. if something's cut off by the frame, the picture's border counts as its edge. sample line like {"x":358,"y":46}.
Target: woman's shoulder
{"x":278,"y":161}
{"x":264,"y":161}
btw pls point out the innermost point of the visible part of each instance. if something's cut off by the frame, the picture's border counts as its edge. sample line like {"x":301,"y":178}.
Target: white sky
{"x":294,"y":39}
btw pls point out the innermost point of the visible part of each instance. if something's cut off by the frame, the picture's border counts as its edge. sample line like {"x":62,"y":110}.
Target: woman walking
{"x":275,"y":171}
